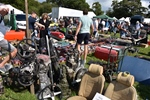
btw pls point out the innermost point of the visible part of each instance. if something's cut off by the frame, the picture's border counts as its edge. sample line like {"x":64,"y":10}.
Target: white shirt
{"x":95,"y":23}
{"x":2,"y":31}
{"x":103,"y":23}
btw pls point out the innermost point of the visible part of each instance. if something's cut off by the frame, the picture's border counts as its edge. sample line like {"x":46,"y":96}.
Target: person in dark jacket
{"x":44,"y":21}
{"x":43,"y":33}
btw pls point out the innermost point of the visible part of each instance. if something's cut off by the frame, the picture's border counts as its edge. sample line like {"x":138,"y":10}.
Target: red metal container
{"x":14,"y":35}
{"x":106,"y":54}
{"x":57,"y":35}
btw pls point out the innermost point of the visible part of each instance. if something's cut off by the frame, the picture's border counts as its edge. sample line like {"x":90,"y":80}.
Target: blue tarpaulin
{"x":139,"y":68}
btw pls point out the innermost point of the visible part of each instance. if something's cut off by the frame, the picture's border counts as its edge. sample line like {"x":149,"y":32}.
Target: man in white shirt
{"x":138,"y":27}
{"x":83,"y":33}
{"x":4,"y":44}
{"x":95,"y":24}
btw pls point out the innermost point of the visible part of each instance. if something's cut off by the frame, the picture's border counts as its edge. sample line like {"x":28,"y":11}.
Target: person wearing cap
{"x":4,"y":44}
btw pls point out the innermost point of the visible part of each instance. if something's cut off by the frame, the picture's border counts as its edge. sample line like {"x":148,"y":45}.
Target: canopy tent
{"x":103,"y":17}
{"x":115,"y":18}
{"x":146,"y":20}
{"x":127,"y":19}
{"x":122,"y":19}
{"x":58,"y":12}
{"x":16,"y":11}
{"x":91,"y":14}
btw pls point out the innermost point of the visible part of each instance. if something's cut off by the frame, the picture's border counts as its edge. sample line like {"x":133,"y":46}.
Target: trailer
{"x":58,"y":12}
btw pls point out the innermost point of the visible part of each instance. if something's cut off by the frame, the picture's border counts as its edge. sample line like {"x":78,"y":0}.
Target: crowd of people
{"x":125,"y":28}
{"x":82,"y":26}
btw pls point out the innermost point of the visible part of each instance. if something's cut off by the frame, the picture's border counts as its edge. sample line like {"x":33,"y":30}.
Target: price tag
{"x":99,"y":96}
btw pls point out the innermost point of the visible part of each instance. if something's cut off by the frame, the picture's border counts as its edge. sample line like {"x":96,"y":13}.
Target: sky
{"x":107,"y":3}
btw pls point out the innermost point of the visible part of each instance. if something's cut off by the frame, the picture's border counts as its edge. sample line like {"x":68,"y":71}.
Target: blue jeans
{"x":122,"y":34}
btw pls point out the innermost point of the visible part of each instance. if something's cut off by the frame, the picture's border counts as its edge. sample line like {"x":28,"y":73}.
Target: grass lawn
{"x":143,"y":90}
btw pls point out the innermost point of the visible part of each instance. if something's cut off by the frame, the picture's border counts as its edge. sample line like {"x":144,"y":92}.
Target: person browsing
{"x":4,"y":44}
{"x":83,"y":34}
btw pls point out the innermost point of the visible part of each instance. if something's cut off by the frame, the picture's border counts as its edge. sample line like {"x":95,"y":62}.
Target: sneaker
{"x":3,"y":70}
{"x":82,"y":65}
{"x":83,"y":62}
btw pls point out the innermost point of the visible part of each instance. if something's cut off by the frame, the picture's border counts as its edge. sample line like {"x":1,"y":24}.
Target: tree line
{"x":124,"y":8}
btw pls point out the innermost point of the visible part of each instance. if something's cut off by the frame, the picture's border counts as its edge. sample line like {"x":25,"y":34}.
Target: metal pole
{"x":27,"y":25}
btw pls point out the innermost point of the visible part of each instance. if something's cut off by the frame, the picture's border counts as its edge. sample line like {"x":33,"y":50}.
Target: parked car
{"x":21,"y":21}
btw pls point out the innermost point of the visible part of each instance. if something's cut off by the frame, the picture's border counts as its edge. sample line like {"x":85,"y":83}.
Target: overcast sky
{"x":107,"y":3}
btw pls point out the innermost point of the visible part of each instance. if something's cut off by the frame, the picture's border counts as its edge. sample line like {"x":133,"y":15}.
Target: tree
{"x":19,"y":4}
{"x":126,"y":8}
{"x":45,"y":8}
{"x":96,"y":7}
{"x":73,"y":4}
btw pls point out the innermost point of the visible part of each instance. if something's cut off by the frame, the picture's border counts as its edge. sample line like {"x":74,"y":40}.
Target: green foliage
{"x":9,"y":94}
{"x":96,"y":6}
{"x":126,"y":8}
{"x":143,"y":91}
{"x":73,"y":4}
{"x":45,"y":7}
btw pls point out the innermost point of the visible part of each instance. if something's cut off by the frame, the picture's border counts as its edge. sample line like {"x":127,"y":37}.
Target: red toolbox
{"x":106,"y":54}
{"x":57,"y":35}
{"x":14,"y":35}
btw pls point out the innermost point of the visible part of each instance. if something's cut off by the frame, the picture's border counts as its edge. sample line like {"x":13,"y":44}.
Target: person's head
{"x":85,"y":12}
{"x":4,"y":10}
{"x":137,"y":22}
{"x":127,"y":23}
{"x":33,"y":14}
{"x":44,"y":16}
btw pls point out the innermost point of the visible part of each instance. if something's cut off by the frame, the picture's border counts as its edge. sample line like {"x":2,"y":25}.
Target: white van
{"x":21,"y":21}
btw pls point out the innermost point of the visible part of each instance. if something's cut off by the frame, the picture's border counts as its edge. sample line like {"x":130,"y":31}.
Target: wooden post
{"x":32,"y":88}
{"x":28,"y":34}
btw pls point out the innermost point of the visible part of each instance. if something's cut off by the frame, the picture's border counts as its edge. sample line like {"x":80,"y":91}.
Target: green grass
{"x":142,"y":90}
{"x":10,"y":94}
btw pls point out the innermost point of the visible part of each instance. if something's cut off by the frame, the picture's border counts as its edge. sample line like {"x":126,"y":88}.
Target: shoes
{"x":83,"y":63}
{"x":3,"y":70}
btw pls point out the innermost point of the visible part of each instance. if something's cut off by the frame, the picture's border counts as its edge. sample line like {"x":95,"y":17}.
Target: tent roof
{"x":91,"y":14}
{"x":103,"y":17}
{"x":122,"y":18}
{"x":58,"y":12}
{"x":16,"y":11}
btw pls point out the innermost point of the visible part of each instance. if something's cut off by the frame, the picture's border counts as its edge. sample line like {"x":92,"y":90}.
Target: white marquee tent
{"x":58,"y":12}
{"x":147,"y":20}
{"x":16,"y":11}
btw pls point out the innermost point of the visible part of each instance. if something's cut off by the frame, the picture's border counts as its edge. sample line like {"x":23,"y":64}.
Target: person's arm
{"x":40,"y":25}
{"x":97,"y":25}
{"x":92,"y":29}
{"x":78,"y":28}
